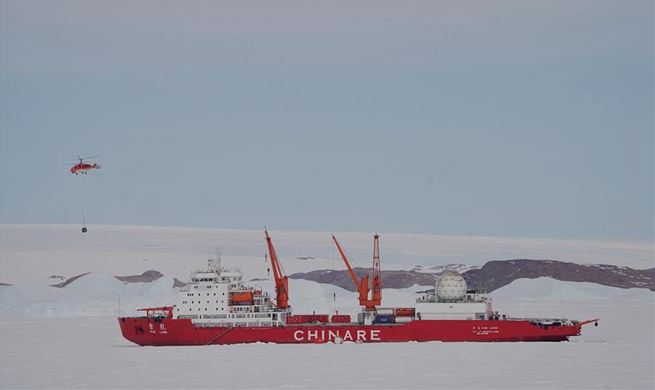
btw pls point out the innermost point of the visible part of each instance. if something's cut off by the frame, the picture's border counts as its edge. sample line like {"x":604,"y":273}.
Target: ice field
{"x":90,"y":353}
{"x":69,"y":337}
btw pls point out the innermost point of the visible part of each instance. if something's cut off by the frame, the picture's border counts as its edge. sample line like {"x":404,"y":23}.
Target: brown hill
{"x":390,"y":279}
{"x":498,"y":273}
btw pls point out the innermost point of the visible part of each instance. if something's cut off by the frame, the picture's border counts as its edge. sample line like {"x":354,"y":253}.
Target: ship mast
{"x":376,"y":273}
{"x":281,"y":280}
{"x":362,"y":287}
{"x":214,"y":264}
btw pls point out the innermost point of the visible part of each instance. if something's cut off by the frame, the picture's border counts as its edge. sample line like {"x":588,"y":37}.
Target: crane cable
{"x":334,"y":281}
{"x":83,"y":206}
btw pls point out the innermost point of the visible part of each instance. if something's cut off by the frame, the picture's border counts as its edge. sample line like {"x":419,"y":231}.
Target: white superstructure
{"x":217,"y":296}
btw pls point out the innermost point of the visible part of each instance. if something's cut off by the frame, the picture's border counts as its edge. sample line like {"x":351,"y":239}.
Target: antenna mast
{"x":214,"y":264}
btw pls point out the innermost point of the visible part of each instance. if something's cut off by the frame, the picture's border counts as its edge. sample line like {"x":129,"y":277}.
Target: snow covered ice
{"x":69,"y":337}
{"x":89,"y":352}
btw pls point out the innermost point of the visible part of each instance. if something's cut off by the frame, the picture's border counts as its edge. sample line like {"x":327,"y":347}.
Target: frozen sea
{"x":90,"y":353}
{"x":69,"y":338}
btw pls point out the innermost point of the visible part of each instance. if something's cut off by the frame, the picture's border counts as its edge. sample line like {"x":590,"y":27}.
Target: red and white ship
{"x":217,"y":308}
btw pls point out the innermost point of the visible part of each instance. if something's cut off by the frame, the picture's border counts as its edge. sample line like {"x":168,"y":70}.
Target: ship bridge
{"x":218,"y":296}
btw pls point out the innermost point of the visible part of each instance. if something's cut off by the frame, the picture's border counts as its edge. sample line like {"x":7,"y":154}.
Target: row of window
{"x":199,"y":309}
{"x":236,"y":309}
{"x":209,"y":286}
{"x":191,"y":294}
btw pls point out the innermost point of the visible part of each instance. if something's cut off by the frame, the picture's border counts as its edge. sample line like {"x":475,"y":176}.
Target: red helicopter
{"x":83,"y":167}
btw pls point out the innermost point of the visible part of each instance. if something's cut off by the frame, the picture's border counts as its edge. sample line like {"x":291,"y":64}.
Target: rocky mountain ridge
{"x":421,"y":275}
{"x":491,"y":276}
{"x":498,"y":273}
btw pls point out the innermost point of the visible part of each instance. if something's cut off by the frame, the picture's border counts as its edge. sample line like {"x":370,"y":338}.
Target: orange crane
{"x":376,"y":277}
{"x":281,"y":280}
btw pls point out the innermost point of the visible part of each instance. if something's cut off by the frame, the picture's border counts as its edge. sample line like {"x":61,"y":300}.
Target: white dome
{"x":451,"y":285}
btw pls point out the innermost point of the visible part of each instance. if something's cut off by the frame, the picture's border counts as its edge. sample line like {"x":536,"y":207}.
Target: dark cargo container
{"x":383,"y":320}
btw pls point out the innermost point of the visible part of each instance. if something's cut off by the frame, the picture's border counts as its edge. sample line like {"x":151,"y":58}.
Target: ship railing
{"x":187,"y":316}
{"x":427,"y":299}
{"x":158,"y":312}
{"x":544,"y":321}
{"x":213,"y":324}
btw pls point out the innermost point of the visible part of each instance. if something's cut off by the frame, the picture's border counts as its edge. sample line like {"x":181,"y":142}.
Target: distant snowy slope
{"x":97,"y":294}
{"x":33,"y":253}
{"x":93,"y":294}
{"x":547,"y":289}
{"x":30,"y":255}
{"x":20,"y":297}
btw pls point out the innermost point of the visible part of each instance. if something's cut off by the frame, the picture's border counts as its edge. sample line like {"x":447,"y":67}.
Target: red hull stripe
{"x":147,"y":331}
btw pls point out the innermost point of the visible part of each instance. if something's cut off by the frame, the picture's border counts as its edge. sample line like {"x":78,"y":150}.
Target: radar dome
{"x":451,"y":286}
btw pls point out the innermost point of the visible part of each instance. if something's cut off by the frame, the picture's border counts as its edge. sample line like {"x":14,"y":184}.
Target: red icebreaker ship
{"x":217,"y":308}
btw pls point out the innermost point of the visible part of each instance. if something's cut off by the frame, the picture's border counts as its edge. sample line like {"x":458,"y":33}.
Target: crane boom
{"x":281,"y":280}
{"x":363,"y":286}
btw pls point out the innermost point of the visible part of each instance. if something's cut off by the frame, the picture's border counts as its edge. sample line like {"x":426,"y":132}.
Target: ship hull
{"x":167,"y":331}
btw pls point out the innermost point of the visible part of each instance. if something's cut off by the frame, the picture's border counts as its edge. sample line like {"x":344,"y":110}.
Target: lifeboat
{"x":244,"y":297}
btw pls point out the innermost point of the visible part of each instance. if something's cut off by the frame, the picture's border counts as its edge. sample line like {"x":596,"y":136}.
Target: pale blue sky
{"x":505,"y":118}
